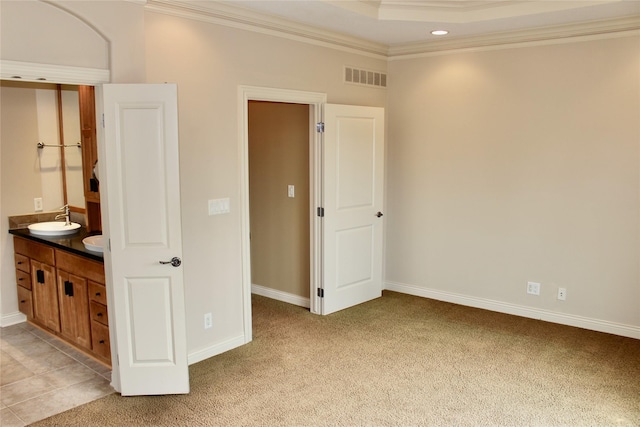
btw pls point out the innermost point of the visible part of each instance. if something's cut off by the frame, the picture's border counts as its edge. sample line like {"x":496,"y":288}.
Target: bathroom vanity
{"x":61,"y":289}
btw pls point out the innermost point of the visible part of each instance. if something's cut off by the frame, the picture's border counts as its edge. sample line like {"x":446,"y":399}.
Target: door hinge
{"x":321,"y":212}
{"x":109,"y":244}
{"x":102,"y":120}
{"x":320,"y":127}
{"x":321,"y":292}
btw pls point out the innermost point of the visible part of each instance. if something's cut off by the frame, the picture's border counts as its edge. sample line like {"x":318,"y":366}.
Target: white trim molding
{"x":243,"y":18}
{"x":518,"y":310}
{"x":585,"y":31}
{"x":316,"y":102}
{"x":12,"y":319}
{"x":238,"y":17}
{"x":214,"y":350}
{"x":280,"y":295}
{"x":48,"y":73}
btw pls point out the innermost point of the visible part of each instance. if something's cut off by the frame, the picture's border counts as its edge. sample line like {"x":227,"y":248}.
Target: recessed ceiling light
{"x":439,"y":32}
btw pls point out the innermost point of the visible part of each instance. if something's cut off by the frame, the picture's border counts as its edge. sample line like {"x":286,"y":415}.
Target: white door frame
{"x":316,"y":102}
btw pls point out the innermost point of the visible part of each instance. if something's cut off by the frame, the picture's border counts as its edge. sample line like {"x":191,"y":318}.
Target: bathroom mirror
{"x":49,"y":115}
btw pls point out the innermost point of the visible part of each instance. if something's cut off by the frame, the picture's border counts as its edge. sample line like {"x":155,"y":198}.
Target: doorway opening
{"x":313,"y":102}
{"x":279,"y":200}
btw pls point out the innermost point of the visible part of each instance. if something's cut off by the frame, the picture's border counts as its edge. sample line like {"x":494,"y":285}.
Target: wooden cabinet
{"x":35,"y":264}
{"x":99,"y":319}
{"x":45,"y":295}
{"x":25,"y":302}
{"x":64,"y":293}
{"x":23,"y":280}
{"x":74,"y":308}
{"x":86,"y":278}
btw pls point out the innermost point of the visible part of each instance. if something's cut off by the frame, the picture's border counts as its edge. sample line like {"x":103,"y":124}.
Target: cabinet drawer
{"x":99,"y":313}
{"x":23,"y":279}
{"x":25,"y":301}
{"x":22,"y":263}
{"x":100,"y":340}
{"x":92,"y":270}
{"x":34,"y":250}
{"x":97,"y":292}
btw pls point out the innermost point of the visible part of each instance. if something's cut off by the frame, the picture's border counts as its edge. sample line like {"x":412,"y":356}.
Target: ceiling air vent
{"x":365,"y":77}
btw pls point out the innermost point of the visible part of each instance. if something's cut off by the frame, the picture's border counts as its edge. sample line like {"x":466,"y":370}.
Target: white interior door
{"x":144,"y":227}
{"x":353,"y":179}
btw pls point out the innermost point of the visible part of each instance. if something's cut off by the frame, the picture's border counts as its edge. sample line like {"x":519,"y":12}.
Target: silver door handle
{"x":175,"y":261}
{"x":379,"y":214}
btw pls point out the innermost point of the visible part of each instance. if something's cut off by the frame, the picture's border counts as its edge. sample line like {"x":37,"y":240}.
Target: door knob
{"x":175,"y":261}
{"x":379,"y":214}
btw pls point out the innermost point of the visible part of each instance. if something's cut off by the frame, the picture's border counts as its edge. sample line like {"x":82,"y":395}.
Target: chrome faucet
{"x":66,"y":215}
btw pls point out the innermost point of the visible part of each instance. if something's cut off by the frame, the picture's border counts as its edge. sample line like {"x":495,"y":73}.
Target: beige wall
{"x":278,"y":157}
{"x":209,"y":62}
{"x":19,"y":136}
{"x":519,"y":165}
{"x":118,"y":26}
{"x":21,"y":180}
{"x":503,"y":166}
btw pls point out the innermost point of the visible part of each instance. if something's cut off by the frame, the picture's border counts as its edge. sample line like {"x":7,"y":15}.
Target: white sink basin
{"x":53,"y":228}
{"x":94,"y":243}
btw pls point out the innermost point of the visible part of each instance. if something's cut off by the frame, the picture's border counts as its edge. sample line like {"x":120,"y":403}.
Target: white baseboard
{"x":280,"y":296}
{"x":205,"y":353}
{"x":12,"y":319}
{"x":519,"y":310}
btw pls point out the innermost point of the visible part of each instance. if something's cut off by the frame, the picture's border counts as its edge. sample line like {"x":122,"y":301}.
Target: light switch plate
{"x":291,"y":191}
{"x":219,"y":206}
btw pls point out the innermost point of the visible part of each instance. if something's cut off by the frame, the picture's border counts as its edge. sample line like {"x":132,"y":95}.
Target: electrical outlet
{"x":37,"y":204}
{"x":208,"y":321}
{"x":562,"y":294}
{"x":533,"y":288}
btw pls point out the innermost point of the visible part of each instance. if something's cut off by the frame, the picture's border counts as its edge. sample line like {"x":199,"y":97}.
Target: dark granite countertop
{"x":71,"y":242}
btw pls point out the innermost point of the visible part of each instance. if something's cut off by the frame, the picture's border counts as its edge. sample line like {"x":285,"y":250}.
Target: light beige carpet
{"x":396,"y":361}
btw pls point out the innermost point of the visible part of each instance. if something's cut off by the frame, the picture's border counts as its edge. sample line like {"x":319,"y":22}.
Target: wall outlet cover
{"x":533,"y":288}
{"x":562,"y":294}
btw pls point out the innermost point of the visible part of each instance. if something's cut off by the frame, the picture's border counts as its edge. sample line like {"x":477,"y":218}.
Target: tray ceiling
{"x":397,"y":22}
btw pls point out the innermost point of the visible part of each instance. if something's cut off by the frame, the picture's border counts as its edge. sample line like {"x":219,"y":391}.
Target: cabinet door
{"x":73,"y":297}
{"x":45,"y":295}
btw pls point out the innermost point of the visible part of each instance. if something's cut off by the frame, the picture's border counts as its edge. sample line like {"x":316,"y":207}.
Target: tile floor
{"x":41,"y":376}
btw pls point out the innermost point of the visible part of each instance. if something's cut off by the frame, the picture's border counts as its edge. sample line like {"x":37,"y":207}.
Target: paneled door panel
{"x":155,"y":295}
{"x":143,"y":187}
{"x":353,"y":159}
{"x":73,"y":299}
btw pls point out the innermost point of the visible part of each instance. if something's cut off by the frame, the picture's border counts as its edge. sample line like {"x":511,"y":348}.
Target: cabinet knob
{"x":97,"y":294}
{"x":99,"y":314}
{"x":101,"y":341}
{"x":22,"y":301}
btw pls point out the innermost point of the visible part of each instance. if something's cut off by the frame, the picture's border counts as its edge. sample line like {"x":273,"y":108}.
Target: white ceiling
{"x":401,"y":22}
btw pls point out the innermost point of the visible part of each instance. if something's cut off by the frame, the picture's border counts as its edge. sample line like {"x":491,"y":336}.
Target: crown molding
{"x":222,"y":13}
{"x":537,"y":36}
{"x":238,"y":17}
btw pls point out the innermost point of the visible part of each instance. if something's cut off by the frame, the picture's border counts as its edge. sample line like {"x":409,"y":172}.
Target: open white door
{"x":141,"y":171}
{"x":353,"y":197}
